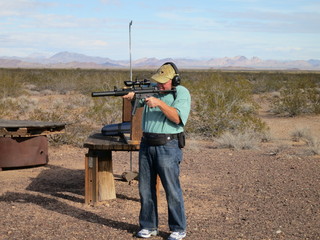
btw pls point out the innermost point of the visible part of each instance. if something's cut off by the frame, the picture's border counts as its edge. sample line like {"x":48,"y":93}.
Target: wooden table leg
{"x":106,"y":186}
{"x":91,"y":168}
{"x":99,"y":181}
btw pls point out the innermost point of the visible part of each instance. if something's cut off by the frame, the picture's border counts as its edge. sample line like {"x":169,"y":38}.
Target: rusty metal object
{"x":20,"y":152}
{"x":24,"y":143}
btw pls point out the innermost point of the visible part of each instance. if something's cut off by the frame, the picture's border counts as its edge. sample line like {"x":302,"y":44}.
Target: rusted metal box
{"x":27,"y":151}
{"x":24,"y":143}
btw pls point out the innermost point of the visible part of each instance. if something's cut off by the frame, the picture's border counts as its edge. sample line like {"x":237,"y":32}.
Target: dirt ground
{"x":269,"y":193}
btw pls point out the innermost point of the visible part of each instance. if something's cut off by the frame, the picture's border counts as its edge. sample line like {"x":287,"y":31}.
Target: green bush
{"x":273,"y":81}
{"x":221,"y":105}
{"x":11,"y":84}
{"x":300,"y":97}
{"x":314,"y":100}
{"x":292,"y":102}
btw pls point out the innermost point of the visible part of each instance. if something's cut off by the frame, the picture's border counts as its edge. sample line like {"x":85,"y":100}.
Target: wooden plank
{"x":21,"y":132}
{"x":27,"y":132}
{"x":27,"y":123}
{"x":99,"y":180}
{"x":136,"y":126}
{"x":20,"y":128}
{"x":106,"y":186}
{"x":91,"y":186}
{"x":126,"y":111}
{"x":97,"y":141}
{"x":87,"y":188}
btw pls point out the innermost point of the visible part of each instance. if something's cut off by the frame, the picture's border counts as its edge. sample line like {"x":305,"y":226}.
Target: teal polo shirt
{"x":154,"y":121}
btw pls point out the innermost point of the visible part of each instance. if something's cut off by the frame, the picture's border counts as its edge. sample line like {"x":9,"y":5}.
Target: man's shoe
{"x":145,"y":233}
{"x":177,"y":235}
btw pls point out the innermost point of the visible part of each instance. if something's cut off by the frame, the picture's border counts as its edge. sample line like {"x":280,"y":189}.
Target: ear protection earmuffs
{"x":176,"y":79}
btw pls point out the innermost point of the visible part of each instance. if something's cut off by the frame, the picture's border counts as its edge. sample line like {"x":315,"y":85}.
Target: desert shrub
{"x":103,"y":110}
{"x":296,"y":99}
{"x":3,"y":109}
{"x":299,"y":134}
{"x":221,"y":105}
{"x":247,"y":139}
{"x":11,"y":107}
{"x":75,"y":134}
{"x":270,"y":81}
{"x":76,"y":130}
{"x":312,"y":141}
{"x":10,"y":84}
{"x":314,"y":100}
{"x":266,"y":82}
{"x":314,"y":144}
{"x":292,"y":102}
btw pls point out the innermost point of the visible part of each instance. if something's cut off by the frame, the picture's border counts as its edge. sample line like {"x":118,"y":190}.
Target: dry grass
{"x":240,"y":140}
{"x":305,"y":135}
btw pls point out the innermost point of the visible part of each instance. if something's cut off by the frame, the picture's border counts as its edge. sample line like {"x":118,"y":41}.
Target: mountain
{"x":65,"y":57}
{"x":76,"y":60}
{"x":314,"y":62}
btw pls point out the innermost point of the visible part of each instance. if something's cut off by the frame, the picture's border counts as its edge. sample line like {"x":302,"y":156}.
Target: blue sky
{"x":268,"y":29}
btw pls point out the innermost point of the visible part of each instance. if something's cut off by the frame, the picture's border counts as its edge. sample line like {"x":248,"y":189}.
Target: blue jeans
{"x":163,"y":161}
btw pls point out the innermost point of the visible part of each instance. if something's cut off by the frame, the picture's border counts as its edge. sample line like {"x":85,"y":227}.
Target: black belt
{"x":160,"y":135}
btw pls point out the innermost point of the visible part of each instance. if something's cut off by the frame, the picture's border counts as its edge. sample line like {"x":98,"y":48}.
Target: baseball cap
{"x":164,"y":74}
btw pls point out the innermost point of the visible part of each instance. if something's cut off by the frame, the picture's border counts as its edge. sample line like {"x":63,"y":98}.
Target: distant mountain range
{"x":76,"y":60}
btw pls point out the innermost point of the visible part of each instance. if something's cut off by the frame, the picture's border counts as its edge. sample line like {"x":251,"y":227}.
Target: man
{"x":164,"y":118}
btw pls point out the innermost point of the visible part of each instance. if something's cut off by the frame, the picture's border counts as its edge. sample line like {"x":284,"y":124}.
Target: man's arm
{"x":170,"y":112}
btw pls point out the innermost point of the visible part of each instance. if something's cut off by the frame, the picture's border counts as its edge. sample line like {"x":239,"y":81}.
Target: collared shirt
{"x":154,"y":121}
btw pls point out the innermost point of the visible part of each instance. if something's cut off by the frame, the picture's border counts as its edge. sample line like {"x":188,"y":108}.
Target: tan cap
{"x":164,"y":74}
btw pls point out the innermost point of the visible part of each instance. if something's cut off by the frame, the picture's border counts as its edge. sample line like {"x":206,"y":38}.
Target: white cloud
{"x":114,"y":2}
{"x":284,"y":49}
{"x":99,"y":43}
{"x":20,"y":7}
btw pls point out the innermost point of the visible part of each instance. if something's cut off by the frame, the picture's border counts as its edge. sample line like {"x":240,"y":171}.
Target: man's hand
{"x":153,"y":102}
{"x":129,"y":96}
{"x":170,"y":112}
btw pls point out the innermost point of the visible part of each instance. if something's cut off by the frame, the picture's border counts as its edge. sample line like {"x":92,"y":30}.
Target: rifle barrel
{"x":109,"y":93}
{"x":125,"y":92}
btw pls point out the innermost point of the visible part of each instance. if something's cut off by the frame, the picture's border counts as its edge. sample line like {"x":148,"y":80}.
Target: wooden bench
{"x":99,"y":180}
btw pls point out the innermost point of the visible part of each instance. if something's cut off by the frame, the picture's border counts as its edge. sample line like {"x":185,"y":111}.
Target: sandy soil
{"x":270,"y":193}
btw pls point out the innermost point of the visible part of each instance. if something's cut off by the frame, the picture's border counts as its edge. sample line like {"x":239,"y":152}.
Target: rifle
{"x":142,"y":90}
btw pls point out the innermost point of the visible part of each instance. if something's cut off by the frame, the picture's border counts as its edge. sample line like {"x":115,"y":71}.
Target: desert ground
{"x":268,"y":193}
